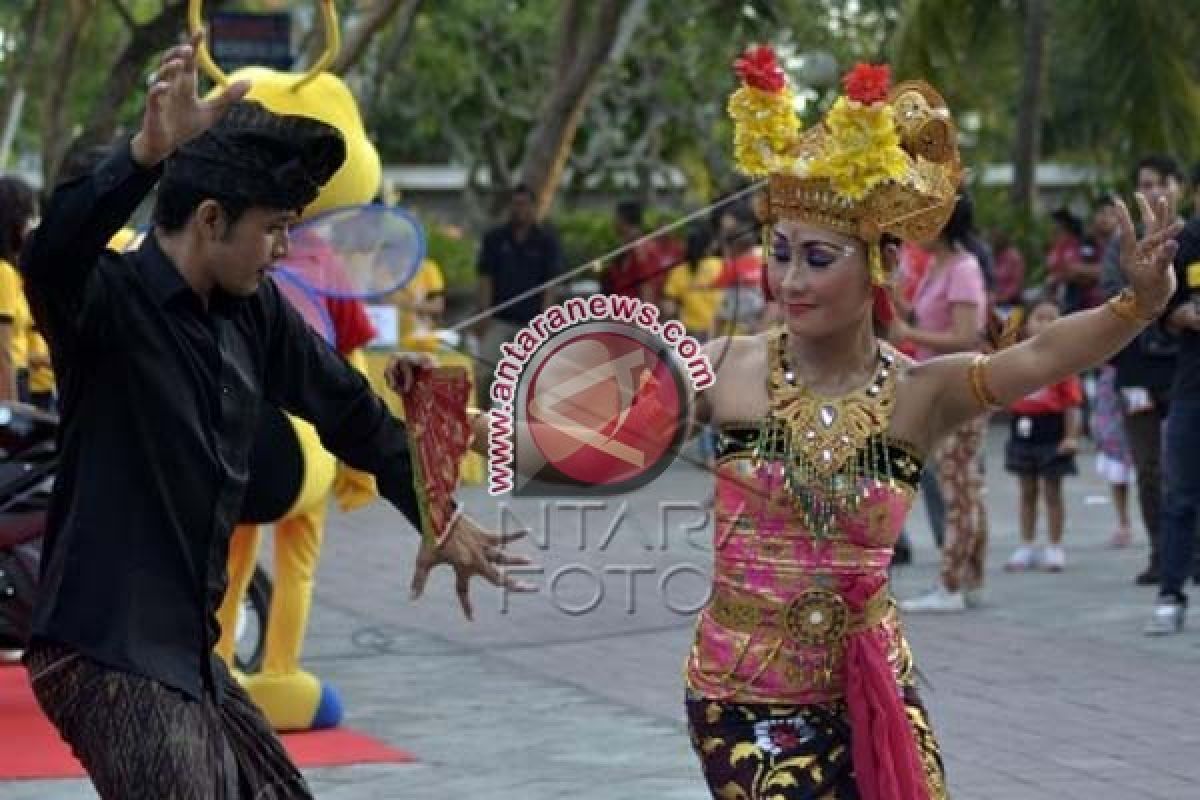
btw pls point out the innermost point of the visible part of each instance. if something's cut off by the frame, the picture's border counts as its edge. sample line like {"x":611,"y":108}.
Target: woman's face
{"x":819,"y":277}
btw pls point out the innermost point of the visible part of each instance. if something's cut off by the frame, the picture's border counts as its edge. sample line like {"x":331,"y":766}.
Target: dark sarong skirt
{"x":140,"y":739}
{"x":783,"y":752}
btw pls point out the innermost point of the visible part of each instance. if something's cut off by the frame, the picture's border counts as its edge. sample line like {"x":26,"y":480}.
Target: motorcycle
{"x":28,"y":464}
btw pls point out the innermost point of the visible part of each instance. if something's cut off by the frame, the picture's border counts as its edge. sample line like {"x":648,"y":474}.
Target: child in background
{"x":1041,"y":450}
{"x":1114,"y":463}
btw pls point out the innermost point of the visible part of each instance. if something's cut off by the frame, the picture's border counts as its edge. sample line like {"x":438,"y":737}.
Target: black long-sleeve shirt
{"x":1148,"y":362}
{"x":1186,"y":388}
{"x":160,"y":399}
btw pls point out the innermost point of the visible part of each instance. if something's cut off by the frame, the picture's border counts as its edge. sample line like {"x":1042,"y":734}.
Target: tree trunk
{"x":583,"y":52}
{"x":31,"y":30}
{"x":373,"y":20}
{"x":56,"y":134}
{"x":1029,"y":118}
{"x":393,"y":48}
{"x":128,"y":74}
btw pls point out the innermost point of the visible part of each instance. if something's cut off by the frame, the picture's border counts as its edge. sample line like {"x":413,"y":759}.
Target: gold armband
{"x":1126,"y":306}
{"x":977,"y":374}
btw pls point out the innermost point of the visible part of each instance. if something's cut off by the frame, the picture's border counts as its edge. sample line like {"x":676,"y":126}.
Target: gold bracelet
{"x":1125,"y":305}
{"x":979,"y":386}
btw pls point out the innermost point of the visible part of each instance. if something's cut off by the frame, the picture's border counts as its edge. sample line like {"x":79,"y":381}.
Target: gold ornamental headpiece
{"x":884,"y":160}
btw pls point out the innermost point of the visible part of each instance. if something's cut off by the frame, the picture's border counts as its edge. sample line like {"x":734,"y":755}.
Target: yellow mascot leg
{"x":292,"y":698}
{"x":243,"y":555}
{"x":297,"y":549}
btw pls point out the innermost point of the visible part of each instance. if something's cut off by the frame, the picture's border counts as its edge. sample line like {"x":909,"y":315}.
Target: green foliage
{"x":588,"y":234}
{"x":1123,"y":80}
{"x":453,"y":252}
{"x":994,"y":211}
{"x":1120,"y":81}
{"x":465,"y":86}
{"x":585,"y":234}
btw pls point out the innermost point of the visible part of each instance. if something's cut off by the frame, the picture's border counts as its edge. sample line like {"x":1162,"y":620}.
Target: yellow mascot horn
{"x":333,"y":43}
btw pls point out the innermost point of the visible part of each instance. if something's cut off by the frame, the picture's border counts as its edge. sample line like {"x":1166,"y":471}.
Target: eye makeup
{"x":781,"y":248}
{"x":815,"y":253}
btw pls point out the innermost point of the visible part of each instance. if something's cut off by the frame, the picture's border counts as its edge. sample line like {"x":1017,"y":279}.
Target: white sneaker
{"x":1055,"y":559}
{"x":1167,"y":619}
{"x":1023,"y":558}
{"x":939,"y":601}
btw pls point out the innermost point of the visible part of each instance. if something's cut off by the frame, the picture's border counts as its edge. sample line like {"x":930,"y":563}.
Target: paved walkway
{"x":1049,"y":692}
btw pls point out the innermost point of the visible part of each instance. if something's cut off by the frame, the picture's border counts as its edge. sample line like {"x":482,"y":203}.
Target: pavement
{"x":1048,"y":691}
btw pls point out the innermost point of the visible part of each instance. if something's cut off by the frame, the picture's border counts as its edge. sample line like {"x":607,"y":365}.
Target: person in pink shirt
{"x":950,"y":311}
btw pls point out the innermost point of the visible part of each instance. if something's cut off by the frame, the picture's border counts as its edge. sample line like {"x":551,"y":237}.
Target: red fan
{"x":439,"y":433}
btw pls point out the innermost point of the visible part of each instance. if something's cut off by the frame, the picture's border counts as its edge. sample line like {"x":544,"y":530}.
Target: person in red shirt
{"x":642,"y":270}
{"x":743,"y":304}
{"x":1072,"y":270}
{"x":1010,"y":270}
{"x":1041,"y":448}
{"x":913,"y":264}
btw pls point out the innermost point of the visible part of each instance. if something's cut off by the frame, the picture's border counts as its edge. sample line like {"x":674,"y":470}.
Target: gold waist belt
{"x":816,"y":617}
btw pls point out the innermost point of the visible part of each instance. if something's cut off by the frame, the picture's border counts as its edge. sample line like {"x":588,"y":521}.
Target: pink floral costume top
{"x":809,"y":504}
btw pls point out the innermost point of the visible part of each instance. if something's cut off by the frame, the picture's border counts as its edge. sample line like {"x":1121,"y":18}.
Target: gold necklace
{"x":832,"y":448}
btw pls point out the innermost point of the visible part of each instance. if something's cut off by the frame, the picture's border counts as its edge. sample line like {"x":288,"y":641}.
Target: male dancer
{"x":165,"y":357}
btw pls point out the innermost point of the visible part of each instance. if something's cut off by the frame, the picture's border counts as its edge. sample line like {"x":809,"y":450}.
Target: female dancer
{"x":800,"y":681}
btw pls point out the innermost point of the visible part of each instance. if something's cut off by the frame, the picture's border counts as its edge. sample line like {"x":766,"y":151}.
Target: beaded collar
{"x":827,"y":445}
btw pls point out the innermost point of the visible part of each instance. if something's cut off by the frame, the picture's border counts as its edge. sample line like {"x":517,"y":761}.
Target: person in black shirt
{"x":1181,"y":503}
{"x":516,"y":262}
{"x":1145,"y":369}
{"x":165,"y":358}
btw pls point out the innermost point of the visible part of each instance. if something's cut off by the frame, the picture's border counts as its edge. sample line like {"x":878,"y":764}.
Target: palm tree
{"x":1095,"y":80}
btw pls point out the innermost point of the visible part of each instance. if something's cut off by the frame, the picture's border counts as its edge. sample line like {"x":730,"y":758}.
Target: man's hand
{"x":1069,"y":446}
{"x":470,"y":551}
{"x":174,"y":112}
{"x":1185,"y":318}
{"x":403,"y":370}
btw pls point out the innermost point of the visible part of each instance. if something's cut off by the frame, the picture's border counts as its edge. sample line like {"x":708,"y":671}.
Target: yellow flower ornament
{"x":862,"y":149}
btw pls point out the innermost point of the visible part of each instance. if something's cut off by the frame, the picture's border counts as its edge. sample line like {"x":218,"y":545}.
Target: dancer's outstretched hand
{"x":470,"y":551}
{"x":1146,"y":262}
{"x":174,"y":112}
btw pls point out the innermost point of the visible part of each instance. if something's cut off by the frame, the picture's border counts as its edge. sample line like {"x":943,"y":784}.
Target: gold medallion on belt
{"x":816,"y":616}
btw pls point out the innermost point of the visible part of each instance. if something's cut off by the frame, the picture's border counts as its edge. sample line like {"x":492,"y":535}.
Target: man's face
{"x":521,"y":210}
{"x":241,"y":257}
{"x":1155,"y":185}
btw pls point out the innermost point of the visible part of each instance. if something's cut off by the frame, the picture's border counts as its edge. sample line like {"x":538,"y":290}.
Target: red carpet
{"x":32,"y":748}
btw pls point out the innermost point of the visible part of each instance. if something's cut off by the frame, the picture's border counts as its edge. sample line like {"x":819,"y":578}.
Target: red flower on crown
{"x":759,"y":68}
{"x":868,"y":83}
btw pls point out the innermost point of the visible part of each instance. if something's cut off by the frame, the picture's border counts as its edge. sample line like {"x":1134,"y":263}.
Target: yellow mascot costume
{"x":299,"y":476}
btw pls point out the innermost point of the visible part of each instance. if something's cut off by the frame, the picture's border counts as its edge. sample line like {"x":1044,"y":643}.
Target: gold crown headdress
{"x":883,"y":161}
